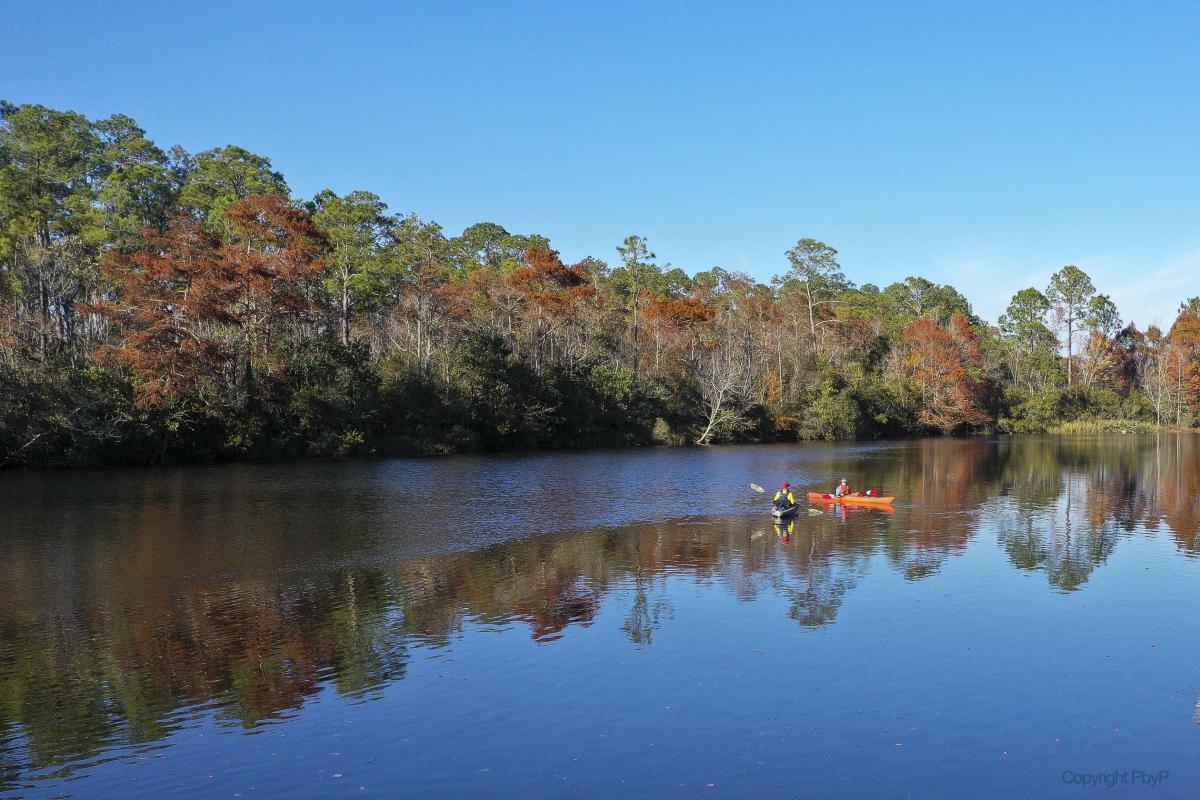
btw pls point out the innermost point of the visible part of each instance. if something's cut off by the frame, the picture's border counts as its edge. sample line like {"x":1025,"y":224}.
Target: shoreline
{"x":1071,"y":429}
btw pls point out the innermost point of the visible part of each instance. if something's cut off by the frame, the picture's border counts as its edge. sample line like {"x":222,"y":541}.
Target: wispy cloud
{"x":1150,"y":293}
{"x":1146,"y":289}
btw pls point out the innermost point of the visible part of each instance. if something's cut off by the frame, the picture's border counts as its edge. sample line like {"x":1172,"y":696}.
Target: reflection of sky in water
{"x":1028,"y":608}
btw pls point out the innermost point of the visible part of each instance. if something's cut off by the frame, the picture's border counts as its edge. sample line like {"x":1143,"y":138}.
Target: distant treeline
{"x":163,"y":306}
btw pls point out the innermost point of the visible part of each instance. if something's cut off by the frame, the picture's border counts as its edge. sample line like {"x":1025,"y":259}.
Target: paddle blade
{"x":757,"y":488}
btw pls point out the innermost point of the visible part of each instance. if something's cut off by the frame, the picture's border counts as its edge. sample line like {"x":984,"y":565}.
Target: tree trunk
{"x":418,"y":348}
{"x":714,"y":414}
{"x":636,"y":346}
{"x":812,"y":321}
{"x":1070,"y":338}
{"x":345,"y":315}
{"x":1178,"y":391}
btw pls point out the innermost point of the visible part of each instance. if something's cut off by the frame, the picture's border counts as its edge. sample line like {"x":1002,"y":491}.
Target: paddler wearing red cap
{"x":784,"y":497}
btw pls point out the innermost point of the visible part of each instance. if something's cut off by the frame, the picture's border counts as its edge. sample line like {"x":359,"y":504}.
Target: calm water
{"x":609,"y":624}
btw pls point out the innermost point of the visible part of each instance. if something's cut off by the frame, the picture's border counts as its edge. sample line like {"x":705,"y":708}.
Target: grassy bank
{"x":1099,"y":426}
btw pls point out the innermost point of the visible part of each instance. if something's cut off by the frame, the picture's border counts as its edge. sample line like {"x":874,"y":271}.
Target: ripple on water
{"x":621,"y":622}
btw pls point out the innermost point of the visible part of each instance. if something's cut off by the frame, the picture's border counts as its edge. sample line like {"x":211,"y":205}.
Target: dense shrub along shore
{"x":162,"y":306}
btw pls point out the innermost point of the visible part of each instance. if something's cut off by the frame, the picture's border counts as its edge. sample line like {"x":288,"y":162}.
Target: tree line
{"x":158,"y":305}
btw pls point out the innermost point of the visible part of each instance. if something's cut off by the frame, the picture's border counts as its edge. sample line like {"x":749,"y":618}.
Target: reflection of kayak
{"x":784,"y":513}
{"x":850,"y":500}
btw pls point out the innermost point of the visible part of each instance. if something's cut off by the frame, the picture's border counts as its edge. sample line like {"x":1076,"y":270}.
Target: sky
{"x":980,"y":144}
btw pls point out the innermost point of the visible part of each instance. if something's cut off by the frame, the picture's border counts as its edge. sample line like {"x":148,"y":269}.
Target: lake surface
{"x":1024,"y":623}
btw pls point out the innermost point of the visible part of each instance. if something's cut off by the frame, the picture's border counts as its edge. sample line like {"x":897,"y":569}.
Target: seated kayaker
{"x":784,"y":497}
{"x":843,"y":490}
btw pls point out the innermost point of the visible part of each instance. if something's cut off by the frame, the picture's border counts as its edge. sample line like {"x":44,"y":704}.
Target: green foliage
{"x":1070,"y":289}
{"x":358,"y":232}
{"x":419,"y":250}
{"x":1071,"y":295}
{"x":219,"y":177}
{"x":815,"y":270}
{"x":889,"y":406}
{"x":1030,"y":345}
{"x":1033,"y":412}
{"x":505,"y":405}
{"x":638,"y":273}
{"x":1103,"y":317}
{"x":137,"y":186}
{"x":486,"y":245}
{"x":603,"y":405}
{"x":662,"y":434}
{"x":66,"y":417}
{"x":1048,"y":409}
{"x":384,"y":334}
{"x":49,"y":158}
{"x":918,"y":297}
{"x":500,"y":395}
{"x":835,"y":414}
{"x":332,"y":396}
{"x":416,"y":415}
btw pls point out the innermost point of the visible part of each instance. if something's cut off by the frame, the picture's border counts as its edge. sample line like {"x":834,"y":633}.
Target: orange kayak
{"x":850,"y":500}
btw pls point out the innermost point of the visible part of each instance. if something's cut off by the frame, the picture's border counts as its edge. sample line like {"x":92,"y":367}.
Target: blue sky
{"x":984,"y":145}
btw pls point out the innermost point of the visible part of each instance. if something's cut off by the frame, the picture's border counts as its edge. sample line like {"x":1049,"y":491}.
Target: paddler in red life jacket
{"x":784,"y":497}
{"x":843,"y":490}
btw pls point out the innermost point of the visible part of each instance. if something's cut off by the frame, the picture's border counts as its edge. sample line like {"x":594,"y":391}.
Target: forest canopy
{"x":158,"y":305}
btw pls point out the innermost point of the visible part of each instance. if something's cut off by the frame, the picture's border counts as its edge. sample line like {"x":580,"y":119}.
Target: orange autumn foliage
{"x":548,"y":284}
{"x":679,"y":312}
{"x":1185,"y":340}
{"x":193,"y":303}
{"x":945,"y":365}
{"x":556,"y":297}
{"x":679,"y":325}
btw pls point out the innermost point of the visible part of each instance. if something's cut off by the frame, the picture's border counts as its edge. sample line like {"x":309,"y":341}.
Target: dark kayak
{"x":784,"y":513}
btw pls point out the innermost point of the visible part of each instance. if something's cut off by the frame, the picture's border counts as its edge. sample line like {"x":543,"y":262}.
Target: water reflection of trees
{"x":1063,"y":502}
{"x":105,"y":662}
{"x":109,"y":643}
{"x":819,"y":583}
{"x":120,"y":674}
